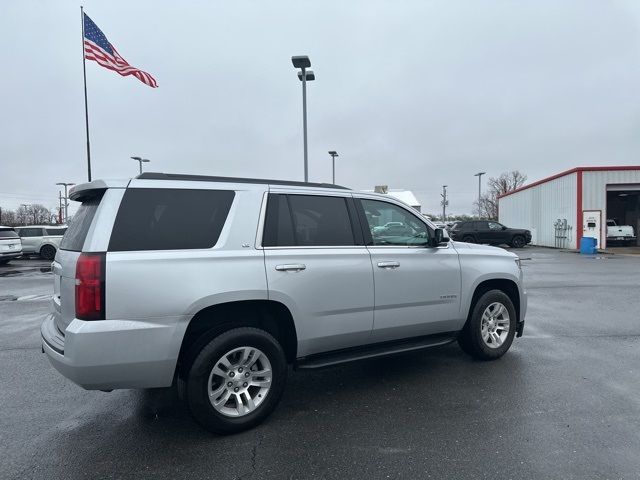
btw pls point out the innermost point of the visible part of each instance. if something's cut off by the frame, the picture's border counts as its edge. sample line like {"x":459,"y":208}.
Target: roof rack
{"x":205,"y":178}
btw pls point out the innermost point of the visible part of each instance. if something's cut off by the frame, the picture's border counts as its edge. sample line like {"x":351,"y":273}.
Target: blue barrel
{"x":588,"y":245}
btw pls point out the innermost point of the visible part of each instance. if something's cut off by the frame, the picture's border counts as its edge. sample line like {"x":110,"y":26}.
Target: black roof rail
{"x":205,"y":178}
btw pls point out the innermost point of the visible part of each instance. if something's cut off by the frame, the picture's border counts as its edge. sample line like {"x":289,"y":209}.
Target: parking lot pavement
{"x":563,"y":403}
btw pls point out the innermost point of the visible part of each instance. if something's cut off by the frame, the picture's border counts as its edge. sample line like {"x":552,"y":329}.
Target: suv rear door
{"x":417,"y":287}
{"x":64,"y":264}
{"x":31,"y":238}
{"x":318,"y":266}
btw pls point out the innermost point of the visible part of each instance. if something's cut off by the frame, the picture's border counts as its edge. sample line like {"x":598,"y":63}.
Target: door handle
{"x":388,"y":264}
{"x":291,"y":267}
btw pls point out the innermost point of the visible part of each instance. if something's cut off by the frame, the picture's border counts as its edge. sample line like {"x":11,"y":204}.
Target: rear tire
{"x":468,"y":239}
{"x":518,"y":241}
{"x":48,"y":252}
{"x":216,"y":391}
{"x":490,"y":330}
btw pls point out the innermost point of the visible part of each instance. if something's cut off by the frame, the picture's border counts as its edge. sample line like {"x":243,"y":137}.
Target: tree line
{"x":32,"y":214}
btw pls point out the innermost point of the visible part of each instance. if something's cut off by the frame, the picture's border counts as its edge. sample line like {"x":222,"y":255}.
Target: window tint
{"x":30,"y":232}
{"x":55,"y":231}
{"x":307,"y":221}
{"x":393,"y":225}
{"x":8,"y":233}
{"x":278,"y":227}
{"x":494,"y":226}
{"x":320,"y":221}
{"x":79,"y":225}
{"x":481,"y":226}
{"x":169,"y":219}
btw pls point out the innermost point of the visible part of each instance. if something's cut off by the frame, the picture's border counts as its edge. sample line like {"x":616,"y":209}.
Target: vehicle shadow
{"x":143,"y":433}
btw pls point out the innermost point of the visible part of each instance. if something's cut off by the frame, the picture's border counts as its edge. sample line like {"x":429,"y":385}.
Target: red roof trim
{"x":569,"y":172}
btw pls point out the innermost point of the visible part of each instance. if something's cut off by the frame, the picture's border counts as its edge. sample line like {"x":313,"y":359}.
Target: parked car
{"x":620,"y":233}
{"x":493,"y":233}
{"x":10,"y":245}
{"x":42,"y":240}
{"x":219,"y":283}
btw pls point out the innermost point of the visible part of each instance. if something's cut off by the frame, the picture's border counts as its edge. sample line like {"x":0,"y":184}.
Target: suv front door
{"x":318,"y":266}
{"x":417,"y":287}
{"x":495,"y":233}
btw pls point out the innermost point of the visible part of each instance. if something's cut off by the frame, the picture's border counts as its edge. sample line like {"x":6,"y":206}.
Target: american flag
{"x":98,"y":48}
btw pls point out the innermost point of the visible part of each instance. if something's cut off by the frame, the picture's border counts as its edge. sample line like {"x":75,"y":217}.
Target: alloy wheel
{"x":239,"y":381}
{"x":495,"y":325}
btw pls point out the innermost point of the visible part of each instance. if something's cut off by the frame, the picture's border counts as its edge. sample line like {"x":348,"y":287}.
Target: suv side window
{"x":307,"y":221}
{"x":30,"y":232}
{"x":55,"y":231}
{"x":482,"y":225}
{"x":494,"y":226}
{"x":169,"y":219}
{"x":405,"y":229}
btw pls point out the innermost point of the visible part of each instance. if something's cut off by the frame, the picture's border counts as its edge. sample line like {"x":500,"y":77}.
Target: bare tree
{"x":8,"y":217}
{"x":506,"y":182}
{"x":34,"y":214}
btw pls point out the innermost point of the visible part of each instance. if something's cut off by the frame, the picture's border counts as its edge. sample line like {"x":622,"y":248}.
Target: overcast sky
{"x":412,"y":94}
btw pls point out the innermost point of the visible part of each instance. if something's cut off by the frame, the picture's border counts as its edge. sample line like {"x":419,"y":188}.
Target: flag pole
{"x":86,"y":107}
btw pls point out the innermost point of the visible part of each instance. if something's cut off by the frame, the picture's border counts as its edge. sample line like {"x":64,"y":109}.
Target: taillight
{"x":90,"y":286}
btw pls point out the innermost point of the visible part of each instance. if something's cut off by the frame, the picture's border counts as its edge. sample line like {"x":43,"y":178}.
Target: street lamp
{"x":479,"y":175}
{"x":302,"y":62}
{"x":444,"y":203}
{"x":66,"y":199}
{"x":334,"y":154}
{"x":140,"y":161}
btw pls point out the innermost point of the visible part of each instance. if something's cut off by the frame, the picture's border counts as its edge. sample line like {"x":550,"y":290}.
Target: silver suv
{"x":41,"y":240}
{"x":220,"y":283}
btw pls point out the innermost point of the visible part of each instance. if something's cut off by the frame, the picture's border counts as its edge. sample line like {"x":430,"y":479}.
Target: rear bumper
{"x":110,"y":354}
{"x":4,"y":255}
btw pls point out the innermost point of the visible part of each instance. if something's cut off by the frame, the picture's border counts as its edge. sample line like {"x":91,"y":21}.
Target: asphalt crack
{"x":254,"y":456}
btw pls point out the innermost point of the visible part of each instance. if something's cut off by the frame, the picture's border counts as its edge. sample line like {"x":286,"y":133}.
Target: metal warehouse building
{"x":561,"y":209}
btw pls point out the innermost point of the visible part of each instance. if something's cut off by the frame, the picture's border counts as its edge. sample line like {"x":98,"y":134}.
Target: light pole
{"x":444,"y":202}
{"x":25,"y":212}
{"x":66,"y":199}
{"x":334,"y":154}
{"x":140,"y":161}
{"x":479,"y":175}
{"x":302,"y":62}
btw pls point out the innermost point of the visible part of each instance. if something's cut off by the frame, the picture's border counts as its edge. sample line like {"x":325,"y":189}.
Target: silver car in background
{"x":218,"y":284}
{"x":10,"y":245}
{"x":42,"y":240}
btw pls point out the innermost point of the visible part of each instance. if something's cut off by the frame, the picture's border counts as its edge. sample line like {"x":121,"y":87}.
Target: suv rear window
{"x":55,"y":231}
{"x":169,"y":219}
{"x":8,"y":233}
{"x":308,"y":221}
{"x":79,"y":225}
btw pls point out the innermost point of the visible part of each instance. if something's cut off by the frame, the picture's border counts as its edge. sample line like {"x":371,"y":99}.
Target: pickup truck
{"x":620,"y":233}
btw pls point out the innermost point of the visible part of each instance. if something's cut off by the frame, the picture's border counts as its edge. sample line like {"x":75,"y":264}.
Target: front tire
{"x":490,"y":330}
{"x":236,"y":380}
{"x":518,"y":241}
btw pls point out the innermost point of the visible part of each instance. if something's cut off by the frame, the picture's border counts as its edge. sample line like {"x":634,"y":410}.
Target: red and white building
{"x":561,"y":209}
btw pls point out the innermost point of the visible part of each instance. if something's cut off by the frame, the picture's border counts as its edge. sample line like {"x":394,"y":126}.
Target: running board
{"x":322,"y":360}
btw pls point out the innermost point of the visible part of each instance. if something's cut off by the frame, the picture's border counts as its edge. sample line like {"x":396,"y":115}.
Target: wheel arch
{"x":506,"y":285}
{"x":268,"y":315}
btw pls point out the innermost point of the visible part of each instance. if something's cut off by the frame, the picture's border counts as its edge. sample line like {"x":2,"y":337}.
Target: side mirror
{"x":503,"y":227}
{"x":438,"y":238}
